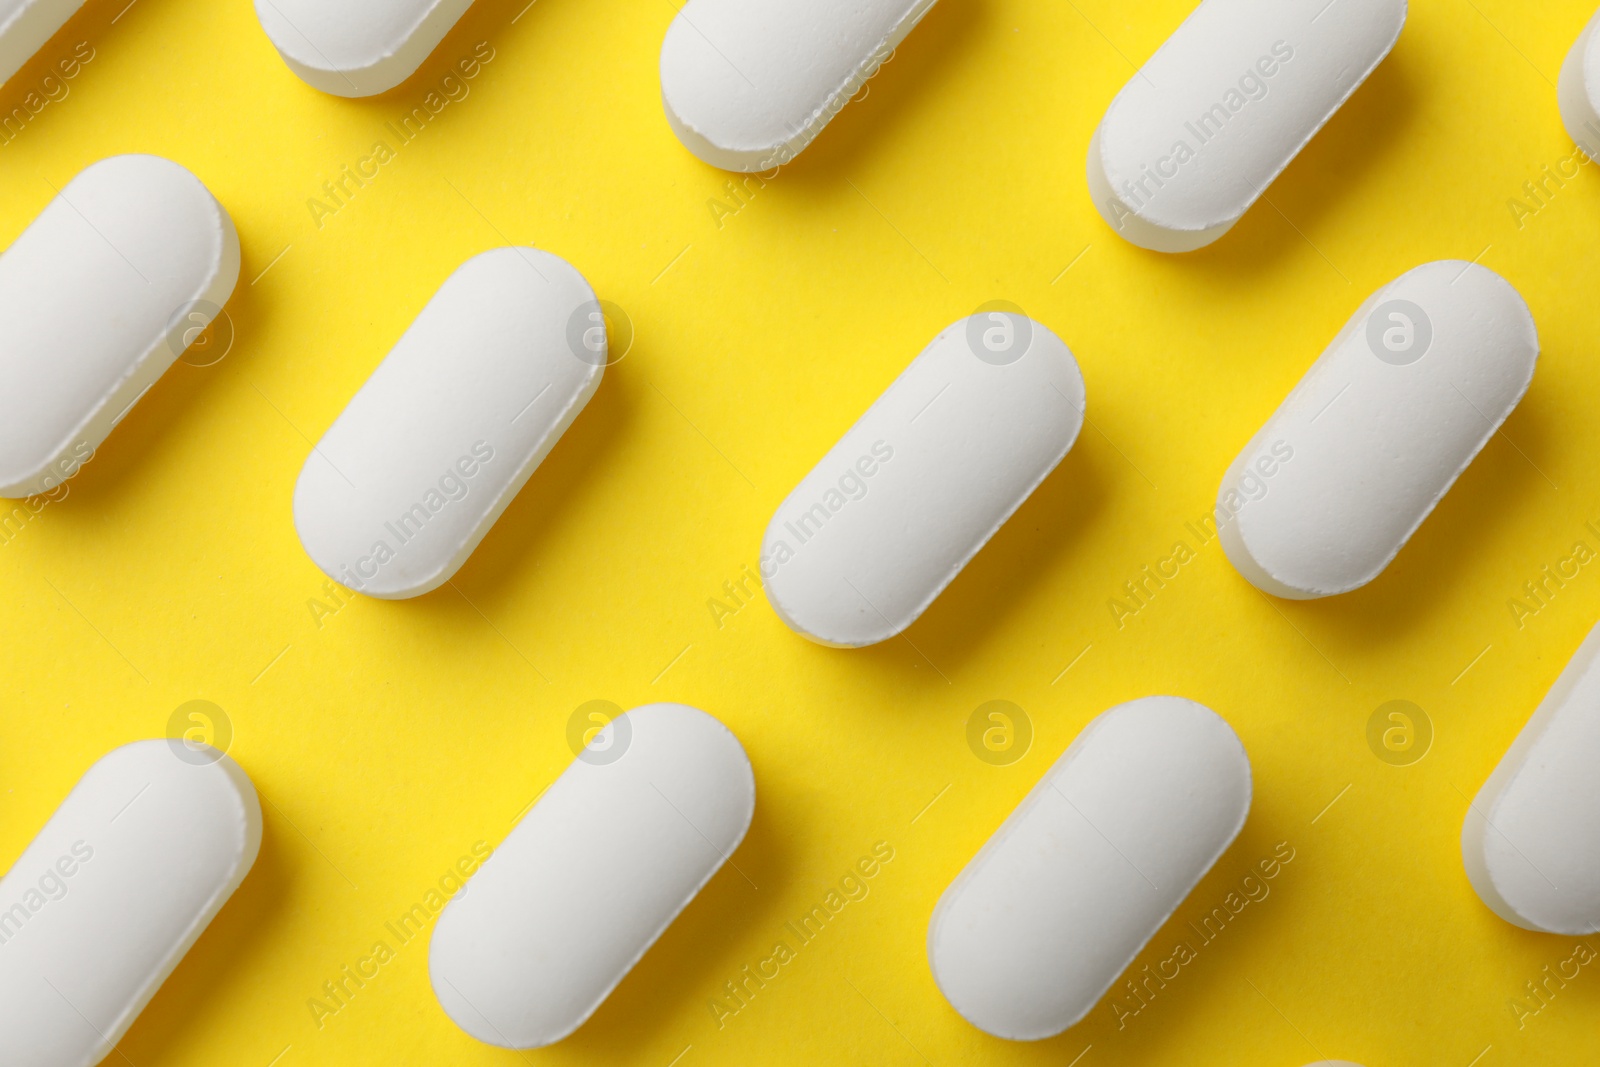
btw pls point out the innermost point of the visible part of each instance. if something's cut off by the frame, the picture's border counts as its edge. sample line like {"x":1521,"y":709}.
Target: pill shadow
{"x":1004,"y":576}
{"x":219,"y":965}
{"x":136,"y":447}
{"x":1346,"y":153}
{"x":1489,"y":498}
{"x":887,"y":100}
{"x":696,"y":954}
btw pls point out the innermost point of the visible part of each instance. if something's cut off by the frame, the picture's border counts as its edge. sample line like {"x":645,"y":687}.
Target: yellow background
{"x":391,"y":737}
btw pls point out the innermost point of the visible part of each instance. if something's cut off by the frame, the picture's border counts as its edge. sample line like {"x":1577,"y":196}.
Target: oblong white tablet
{"x":1578,"y":89}
{"x":414,"y":472}
{"x":920,"y":483}
{"x":1088,"y":867}
{"x":1380,"y":427}
{"x":357,"y":47}
{"x":25,"y":25}
{"x":98,"y":296}
{"x":1531,"y":839}
{"x":585,"y":883}
{"x":122,"y":880}
{"x":1223,"y":107}
{"x":747,"y":85}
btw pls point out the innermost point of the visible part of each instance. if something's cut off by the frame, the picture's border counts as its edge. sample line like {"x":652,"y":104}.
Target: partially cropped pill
{"x":1578,"y":89}
{"x":357,"y":47}
{"x":920,"y":483}
{"x":1089,"y":866}
{"x":1531,"y":839}
{"x":414,"y":472}
{"x":617,"y":846}
{"x":1222,"y":108}
{"x":117,"y":276}
{"x":111,"y":894}
{"x":1380,"y":427}
{"x":25,"y":25}
{"x":747,"y":84}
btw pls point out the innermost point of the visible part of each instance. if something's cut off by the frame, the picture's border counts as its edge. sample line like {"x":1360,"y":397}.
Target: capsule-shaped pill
{"x":1578,"y":89}
{"x":1380,"y":427}
{"x":357,"y":47}
{"x":920,"y":483}
{"x":117,"y":276}
{"x":1531,"y":838}
{"x":1088,"y":867}
{"x":1223,"y":107}
{"x":414,"y":472}
{"x":587,"y":881}
{"x":25,"y":25}
{"x":105,"y":901}
{"x":748,"y":83}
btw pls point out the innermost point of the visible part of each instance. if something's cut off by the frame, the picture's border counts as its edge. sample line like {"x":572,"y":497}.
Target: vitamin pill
{"x":920,"y":483}
{"x":583,"y":885}
{"x":115,"y":278}
{"x":25,"y":25}
{"x":1223,"y":107}
{"x":357,"y":47}
{"x":1578,"y":89}
{"x":747,"y":85}
{"x":1531,"y":839}
{"x":1380,"y":427}
{"x":1059,"y":901}
{"x":429,"y":452}
{"x":110,"y":895}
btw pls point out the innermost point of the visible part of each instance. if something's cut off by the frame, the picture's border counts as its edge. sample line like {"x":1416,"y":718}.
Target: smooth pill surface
{"x":1578,"y":89}
{"x":1380,"y":427}
{"x":748,"y":83}
{"x":357,"y":47}
{"x":105,"y":901}
{"x":1094,"y":860}
{"x":1223,"y":107}
{"x":112,"y":282}
{"x":617,"y":846}
{"x":920,"y":483}
{"x":1531,"y":839}
{"x":25,"y":25}
{"x":414,"y":472}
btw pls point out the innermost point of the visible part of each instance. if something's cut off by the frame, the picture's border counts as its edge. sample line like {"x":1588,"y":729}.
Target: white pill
{"x":114,"y":279}
{"x":414,"y":472}
{"x":102,"y":905}
{"x":25,"y":25}
{"x":920,"y":483}
{"x":1380,"y":427}
{"x":1531,"y":840}
{"x":1088,"y":867}
{"x":617,"y":846}
{"x":1222,"y":108}
{"x":1578,"y":89}
{"x":748,"y":83}
{"x":357,"y":47}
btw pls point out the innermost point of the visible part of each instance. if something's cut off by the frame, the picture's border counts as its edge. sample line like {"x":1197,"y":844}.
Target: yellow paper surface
{"x":388,"y":738}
